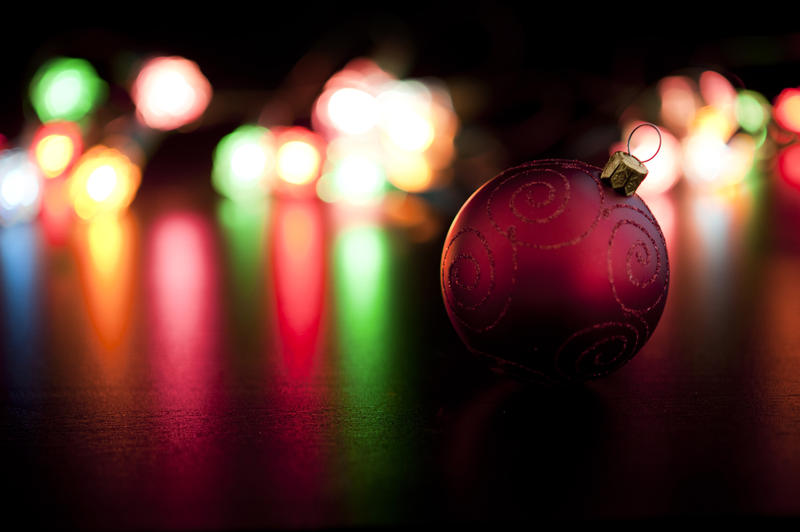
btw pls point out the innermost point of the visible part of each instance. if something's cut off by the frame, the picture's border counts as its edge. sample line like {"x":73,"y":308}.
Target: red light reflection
{"x":183,"y":293}
{"x":298,"y":268}
{"x":789,"y":164}
{"x":184,"y":339}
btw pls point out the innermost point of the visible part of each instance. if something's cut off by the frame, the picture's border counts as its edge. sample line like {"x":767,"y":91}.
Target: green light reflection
{"x":243,"y":227}
{"x":375,"y":390}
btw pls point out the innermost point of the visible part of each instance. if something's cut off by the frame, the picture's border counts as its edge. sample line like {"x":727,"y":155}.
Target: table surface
{"x":197,"y":365}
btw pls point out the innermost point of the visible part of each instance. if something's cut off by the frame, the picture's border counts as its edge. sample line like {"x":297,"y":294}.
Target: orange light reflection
{"x":107,"y":249}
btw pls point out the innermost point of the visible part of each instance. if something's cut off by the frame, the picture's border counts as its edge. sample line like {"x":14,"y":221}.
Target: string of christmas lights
{"x":370,"y":133}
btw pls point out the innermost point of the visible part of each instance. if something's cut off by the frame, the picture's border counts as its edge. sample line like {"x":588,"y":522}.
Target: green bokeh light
{"x":66,"y":89}
{"x":243,"y":160}
{"x":752,"y":111}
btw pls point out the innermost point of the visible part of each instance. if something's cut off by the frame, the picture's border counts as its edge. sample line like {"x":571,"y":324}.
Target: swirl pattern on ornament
{"x":597,"y":350}
{"x":540,"y":193}
{"x":634,"y":283}
{"x":469,"y":280}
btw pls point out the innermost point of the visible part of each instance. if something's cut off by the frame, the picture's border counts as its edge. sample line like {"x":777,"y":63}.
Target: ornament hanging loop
{"x":659,"y":139}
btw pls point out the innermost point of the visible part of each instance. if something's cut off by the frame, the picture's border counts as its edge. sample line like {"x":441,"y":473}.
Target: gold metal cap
{"x":624,"y":173}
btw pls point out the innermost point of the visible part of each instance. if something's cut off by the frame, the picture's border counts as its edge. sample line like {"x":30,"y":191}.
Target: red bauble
{"x":548,"y":271}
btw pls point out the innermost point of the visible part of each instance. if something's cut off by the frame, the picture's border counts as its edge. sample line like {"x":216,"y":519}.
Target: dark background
{"x":702,"y":422}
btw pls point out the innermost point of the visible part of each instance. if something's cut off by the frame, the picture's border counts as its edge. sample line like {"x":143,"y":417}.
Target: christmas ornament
{"x":556,"y":269}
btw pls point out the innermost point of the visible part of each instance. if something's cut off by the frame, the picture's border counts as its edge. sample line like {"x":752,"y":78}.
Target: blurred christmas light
{"x":752,"y":111}
{"x":704,"y":158}
{"x":66,"y":89}
{"x":20,"y":187}
{"x":405,"y":115}
{"x":170,"y":92}
{"x":409,"y":127}
{"x":789,"y":164}
{"x":678,"y":103}
{"x":243,"y":162}
{"x":718,"y":92}
{"x":55,"y":146}
{"x":352,"y":111}
{"x":741,"y":155}
{"x":787,"y":110}
{"x":104,"y":181}
{"x":299,"y":156}
{"x":356,"y":178}
{"x":410,"y":172}
{"x":709,"y":120}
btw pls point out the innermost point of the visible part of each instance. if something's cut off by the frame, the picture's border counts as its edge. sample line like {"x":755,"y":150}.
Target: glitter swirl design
{"x":598,"y":350}
{"x":535,"y":235}
{"x":469,"y":283}
{"x":531,"y":204}
{"x":639,"y":282}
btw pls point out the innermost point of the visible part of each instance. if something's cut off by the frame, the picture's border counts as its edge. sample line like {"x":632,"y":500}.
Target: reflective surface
{"x":204,"y":364}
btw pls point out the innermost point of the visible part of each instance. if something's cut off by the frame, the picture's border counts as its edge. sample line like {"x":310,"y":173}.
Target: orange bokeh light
{"x":104,"y":180}
{"x":55,"y":147}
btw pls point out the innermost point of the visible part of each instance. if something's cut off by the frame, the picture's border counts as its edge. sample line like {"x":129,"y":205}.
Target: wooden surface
{"x":202,"y":369}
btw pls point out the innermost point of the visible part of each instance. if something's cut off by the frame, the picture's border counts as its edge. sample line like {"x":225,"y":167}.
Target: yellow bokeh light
{"x":103,"y":181}
{"x":297,"y":162}
{"x":54,"y":153}
{"x":409,"y":131}
{"x":711,"y":121}
{"x":411,"y":173}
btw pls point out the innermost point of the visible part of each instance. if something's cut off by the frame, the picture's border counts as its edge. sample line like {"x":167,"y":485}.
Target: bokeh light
{"x":243,"y":163}
{"x":356,"y":178}
{"x":410,"y":172}
{"x":299,"y":156}
{"x":704,"y":158}
{"x":711,"y":121}
{"x":409,"y":126}
{"x":714,"y":134}
{"x":170,"y":92}
{"x":678,"y":103}
{"x":718,"y":92}
{"x":405,"y":108}
{"x":66,"y":89}
{"x":789,"y":164}
{"x":352,"y":111}
{"x":20,"y":187}
{"x":787,"y":110}
{"x":752,"y":111}
{"x":55,"y":146}
{"x":104,"y":181}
